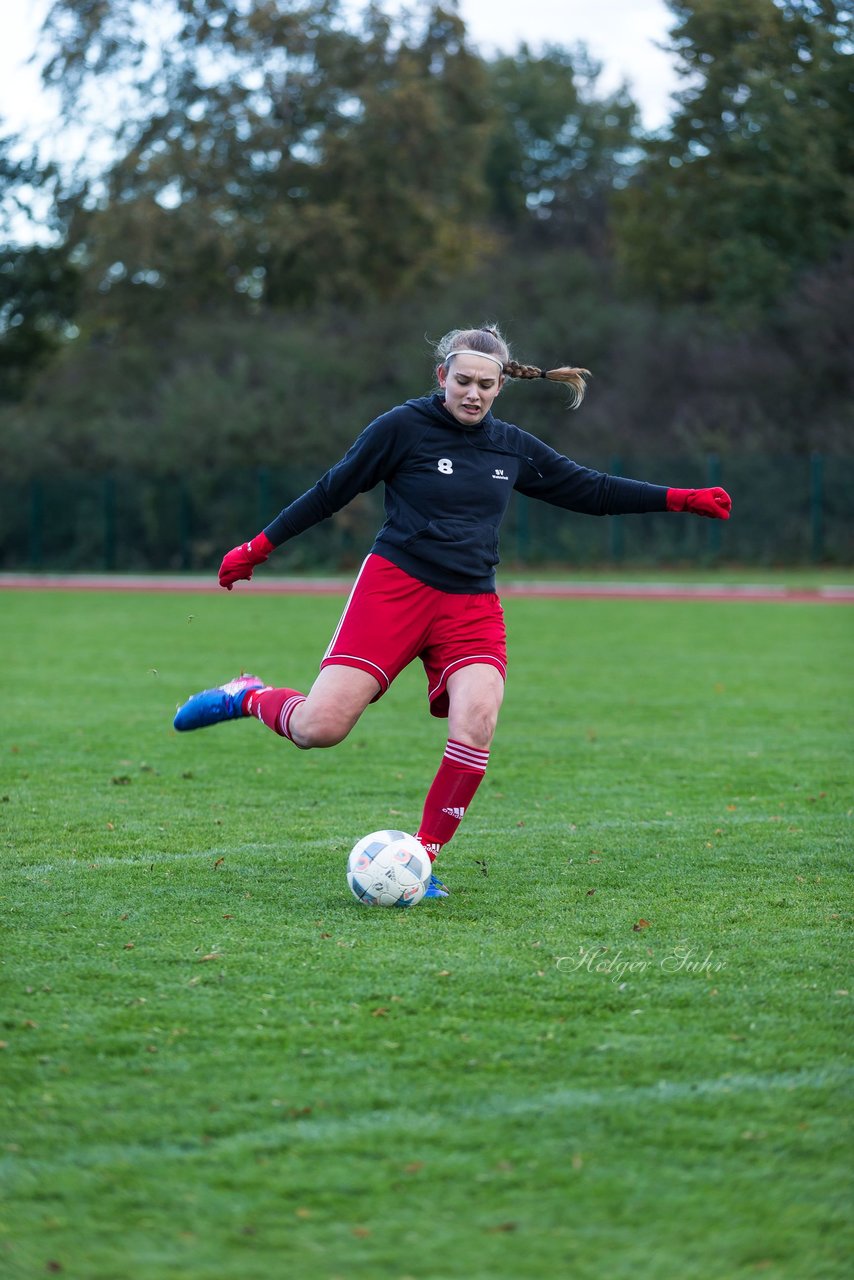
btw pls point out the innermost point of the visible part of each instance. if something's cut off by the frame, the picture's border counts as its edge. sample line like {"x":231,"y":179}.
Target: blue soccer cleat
{"x":213,"y":705}
{"x":435,"y":889}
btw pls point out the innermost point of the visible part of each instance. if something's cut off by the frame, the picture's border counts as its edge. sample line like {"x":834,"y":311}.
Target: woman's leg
{"x":332,"y":707}
{"x":475,"y":694}
{"x":325,"y":716}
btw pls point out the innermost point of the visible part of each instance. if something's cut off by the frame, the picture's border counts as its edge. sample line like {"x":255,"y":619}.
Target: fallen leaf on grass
{"x":641,"y":924}
{"x":503,"y":1226}
{"x":218,"y":863}
{"x":379,"y":1013}
{"x":212,"y":955}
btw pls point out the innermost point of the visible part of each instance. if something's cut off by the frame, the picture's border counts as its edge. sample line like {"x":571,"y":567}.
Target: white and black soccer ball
{"x":388,"y":869}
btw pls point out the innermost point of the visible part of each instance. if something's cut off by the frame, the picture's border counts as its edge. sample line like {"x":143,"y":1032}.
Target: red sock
{"x":460,"y":774}
{"x":274,"y":707}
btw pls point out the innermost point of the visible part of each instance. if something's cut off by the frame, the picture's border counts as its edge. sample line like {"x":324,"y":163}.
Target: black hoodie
{"x":447,"y":488}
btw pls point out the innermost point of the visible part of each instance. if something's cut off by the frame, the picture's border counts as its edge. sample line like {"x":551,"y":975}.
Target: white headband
{"x":467,"y":351}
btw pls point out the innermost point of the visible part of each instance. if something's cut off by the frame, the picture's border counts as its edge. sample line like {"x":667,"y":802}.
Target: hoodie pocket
{"x":459,"y":546}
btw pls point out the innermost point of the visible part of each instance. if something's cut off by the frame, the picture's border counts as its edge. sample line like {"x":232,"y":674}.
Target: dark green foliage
{"x":557,"y":150}
{"x":754,"y":181}
{"x":298,"y":173}
{"x":205,"y":393}
{"x":39,"y":291}
{"x":253,"y":276}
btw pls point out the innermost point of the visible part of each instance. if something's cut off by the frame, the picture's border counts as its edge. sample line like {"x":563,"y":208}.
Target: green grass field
{"x":618,"y":1050}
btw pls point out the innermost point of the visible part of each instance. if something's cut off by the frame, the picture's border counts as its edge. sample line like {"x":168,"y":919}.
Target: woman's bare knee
{"x":475,"y":696}
{"x":334,"y":704}
{"x":318,"y":729}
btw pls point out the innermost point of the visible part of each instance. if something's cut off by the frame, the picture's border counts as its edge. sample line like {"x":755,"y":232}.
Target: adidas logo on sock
{"x":454,"y":813}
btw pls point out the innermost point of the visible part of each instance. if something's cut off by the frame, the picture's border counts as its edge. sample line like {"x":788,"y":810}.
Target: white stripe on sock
{"x":288,"y":708}
{"x":469,"y":757}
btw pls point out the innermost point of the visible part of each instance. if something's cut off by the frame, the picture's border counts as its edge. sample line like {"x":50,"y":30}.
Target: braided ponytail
{"x":575,"y":379}
{"x":487,"y":340}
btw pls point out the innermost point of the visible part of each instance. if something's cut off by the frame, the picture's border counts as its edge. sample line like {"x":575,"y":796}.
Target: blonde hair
{"x":488,"y":341}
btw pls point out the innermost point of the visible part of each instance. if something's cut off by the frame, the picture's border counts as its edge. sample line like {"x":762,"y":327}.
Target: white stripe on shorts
{"x":346,"y":607}
{"x":384,"y":680}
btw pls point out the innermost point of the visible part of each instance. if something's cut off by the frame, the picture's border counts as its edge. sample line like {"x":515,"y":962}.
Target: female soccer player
{"x":427,"y":587}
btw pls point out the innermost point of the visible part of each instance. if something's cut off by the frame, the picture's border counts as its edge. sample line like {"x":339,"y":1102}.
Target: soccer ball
{"x":388,"y":869}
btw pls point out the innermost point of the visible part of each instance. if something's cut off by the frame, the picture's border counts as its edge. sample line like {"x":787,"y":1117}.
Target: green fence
{"x":785,"y":511}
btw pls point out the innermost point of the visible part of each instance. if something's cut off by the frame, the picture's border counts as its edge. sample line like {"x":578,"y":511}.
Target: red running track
{"x":341,"y":586}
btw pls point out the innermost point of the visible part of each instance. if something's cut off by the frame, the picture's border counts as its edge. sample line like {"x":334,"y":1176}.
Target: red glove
{"x":240,"y":562}
{"x":700,"y":502}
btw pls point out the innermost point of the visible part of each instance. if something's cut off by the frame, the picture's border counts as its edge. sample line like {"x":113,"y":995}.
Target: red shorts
{"x":391,"y":618}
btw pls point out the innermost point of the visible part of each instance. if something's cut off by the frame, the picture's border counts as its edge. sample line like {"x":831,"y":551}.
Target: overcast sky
{"x":622,"y":34}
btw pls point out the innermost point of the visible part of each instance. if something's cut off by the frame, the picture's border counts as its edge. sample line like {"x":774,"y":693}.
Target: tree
{"x":38,"y":284}
{"x":38,"y":299}
{"x":270,"y":152}
{"x":753,"y":184}
{"x":557,"y":151}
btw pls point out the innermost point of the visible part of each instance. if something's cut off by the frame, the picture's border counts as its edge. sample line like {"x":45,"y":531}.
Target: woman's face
{"x":470,"y":383}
